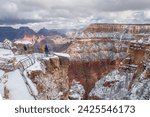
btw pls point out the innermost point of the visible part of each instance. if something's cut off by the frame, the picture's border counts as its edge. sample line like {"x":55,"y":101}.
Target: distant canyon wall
{"x":132,"y":28}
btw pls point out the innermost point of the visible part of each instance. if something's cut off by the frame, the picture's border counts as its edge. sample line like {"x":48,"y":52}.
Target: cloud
{"x":72,"y":13}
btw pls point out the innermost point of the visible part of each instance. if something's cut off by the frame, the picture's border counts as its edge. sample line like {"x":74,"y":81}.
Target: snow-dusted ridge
{"x":15,"y":84}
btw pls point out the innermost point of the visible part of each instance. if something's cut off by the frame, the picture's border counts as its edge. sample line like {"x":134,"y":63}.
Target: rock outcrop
{"x":52,"y":83}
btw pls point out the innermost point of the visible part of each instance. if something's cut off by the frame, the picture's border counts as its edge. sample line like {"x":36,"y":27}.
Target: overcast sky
{"x":72,"y":13}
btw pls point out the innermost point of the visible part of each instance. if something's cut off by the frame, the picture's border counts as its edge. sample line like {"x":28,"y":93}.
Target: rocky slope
{"x":92,"y":59}
{"x":51,"y":81}
{"x":131,"y":79}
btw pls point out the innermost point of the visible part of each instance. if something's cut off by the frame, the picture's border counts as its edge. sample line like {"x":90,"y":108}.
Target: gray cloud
{"x":16,"y":21}
{"x":72,"y":13}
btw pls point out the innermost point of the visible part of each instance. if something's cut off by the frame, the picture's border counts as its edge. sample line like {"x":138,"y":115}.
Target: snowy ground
{"x":5,"y":53}
{"x":35,"y":66}
{"x":62,"y":54}
{"x":17,"y":87}
{"x":1,"y":82}
{"x":1,"y":73}
{"x":23,"y":42}
{"x":12,"y":83}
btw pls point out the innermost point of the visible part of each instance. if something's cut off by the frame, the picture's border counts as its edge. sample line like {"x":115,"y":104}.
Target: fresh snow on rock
{"x":5,"y":53}
{"x":31,"y":84}
{"x":1,"y":83}
{"x":141,"y":90}
{"x":7,"y":43}
{"x":35,"y":66}
{"x":23,"y":42}
{"x":1,"y":73}
{"x":48,"y":57}
{"x":20,"y":57}
{"x":62,"y":54}
{"x":1,"y":97}
{"x":115,"y":86}
{"x":77,"y":91}
{"x":112,"y":86}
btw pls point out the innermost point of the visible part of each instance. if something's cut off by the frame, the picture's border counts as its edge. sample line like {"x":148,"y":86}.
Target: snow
{"x":20,"y":57}
{"x":141,"y":40}
{"x":133,"y":41}
{"x":1,"y":97}
{"x":132,"y":65}
{"x":141,"y":90}
{"x":148,"y":40}
{"x":47,"y":58}
{"x":76,"y":91}
{"x":1,"y":73}
{"x":5,"y":53}
{"x":23,"y":42}
{"x":117,"y":89}
{"x":40,"y":56}
{"x":17,"y":87}
{"x":98,"y":55}
{"x":35,"y":66}
{"x":33,"y":87}
{"x":1,"y":83}
{"x":7,"y":42}
{"x":62,"y":54}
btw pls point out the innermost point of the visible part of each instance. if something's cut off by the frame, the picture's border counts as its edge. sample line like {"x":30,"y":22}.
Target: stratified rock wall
{"x":92,"y":59}
{"x":132,"y":28}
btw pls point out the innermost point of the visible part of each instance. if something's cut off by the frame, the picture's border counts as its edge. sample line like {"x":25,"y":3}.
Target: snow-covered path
{"x":17,"y":87}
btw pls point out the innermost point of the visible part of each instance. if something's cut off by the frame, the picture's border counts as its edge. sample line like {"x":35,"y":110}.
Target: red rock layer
{"x":87,"y":73}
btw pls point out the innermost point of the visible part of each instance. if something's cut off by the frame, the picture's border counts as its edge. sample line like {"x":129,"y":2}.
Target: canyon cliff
{"x":94,"y":58}
{"x":52,"y":80}
{"x":132,"y":28}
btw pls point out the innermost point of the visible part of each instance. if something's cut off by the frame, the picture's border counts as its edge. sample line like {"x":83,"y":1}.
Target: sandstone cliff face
{"x":53,"y":83}
{"x":92,"y":59}
{"x":131,"y":28}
